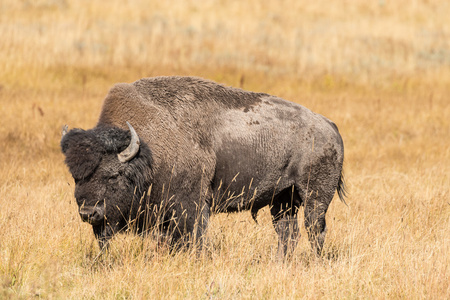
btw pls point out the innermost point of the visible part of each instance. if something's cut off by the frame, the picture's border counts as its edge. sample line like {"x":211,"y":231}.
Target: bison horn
{"x":132,"y":149}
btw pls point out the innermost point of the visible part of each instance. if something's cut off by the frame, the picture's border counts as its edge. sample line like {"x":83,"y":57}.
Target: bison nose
{"x":92,"y":215}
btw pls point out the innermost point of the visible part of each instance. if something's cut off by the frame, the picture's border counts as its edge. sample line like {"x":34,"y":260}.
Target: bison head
{"x":112,"y":172}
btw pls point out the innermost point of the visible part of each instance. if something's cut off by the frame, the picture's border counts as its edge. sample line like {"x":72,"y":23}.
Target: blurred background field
{"x":380,"y":70}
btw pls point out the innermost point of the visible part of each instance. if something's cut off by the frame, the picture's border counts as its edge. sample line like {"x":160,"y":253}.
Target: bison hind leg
{"x":284,"y":211}
{"x":318,"y":193}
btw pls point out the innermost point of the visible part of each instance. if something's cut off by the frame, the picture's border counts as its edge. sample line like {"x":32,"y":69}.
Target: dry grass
{"x":380,"y":70}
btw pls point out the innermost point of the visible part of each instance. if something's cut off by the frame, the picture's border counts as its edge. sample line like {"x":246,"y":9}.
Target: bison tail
{"x":341,"y":188}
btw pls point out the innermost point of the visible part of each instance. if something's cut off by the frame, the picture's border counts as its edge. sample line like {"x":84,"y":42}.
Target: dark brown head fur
{"x":103,"y":183}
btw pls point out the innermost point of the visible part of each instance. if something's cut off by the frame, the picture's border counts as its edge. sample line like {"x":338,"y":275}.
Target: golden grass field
{"x":379,"y":69}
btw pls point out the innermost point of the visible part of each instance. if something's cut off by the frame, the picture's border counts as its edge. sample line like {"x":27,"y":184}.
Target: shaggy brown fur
{"x":210,"y":148}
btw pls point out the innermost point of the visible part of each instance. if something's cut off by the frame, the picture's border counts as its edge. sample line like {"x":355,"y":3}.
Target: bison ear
{"x":83,"y":152}
{"x":66,"y":139}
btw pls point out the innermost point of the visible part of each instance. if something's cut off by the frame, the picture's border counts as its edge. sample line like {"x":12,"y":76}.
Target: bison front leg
{"x":186,"y":225}
{"x":200,"y":225}
{"x":103,"y":233}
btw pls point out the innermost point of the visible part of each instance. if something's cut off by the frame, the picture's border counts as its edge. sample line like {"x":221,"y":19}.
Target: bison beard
{"x":201,"y":147}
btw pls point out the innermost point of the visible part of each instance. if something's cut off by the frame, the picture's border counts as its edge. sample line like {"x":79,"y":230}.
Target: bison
{"x":169,"y":151}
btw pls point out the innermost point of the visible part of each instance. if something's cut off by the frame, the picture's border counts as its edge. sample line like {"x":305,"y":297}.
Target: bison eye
{"x":113,"y":178}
